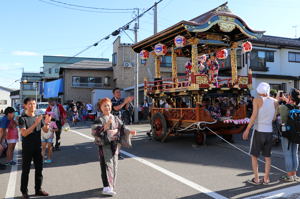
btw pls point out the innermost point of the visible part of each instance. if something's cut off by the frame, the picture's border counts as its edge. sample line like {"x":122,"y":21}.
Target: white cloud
{"x":24,"y":53}
{"x":11,"y":66}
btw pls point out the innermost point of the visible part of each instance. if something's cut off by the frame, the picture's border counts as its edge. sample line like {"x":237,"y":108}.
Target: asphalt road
{"x":153,"y":170}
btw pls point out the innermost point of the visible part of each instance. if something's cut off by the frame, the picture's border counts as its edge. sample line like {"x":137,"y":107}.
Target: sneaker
{"x":286,"y":178}
{"x":108,"y":191}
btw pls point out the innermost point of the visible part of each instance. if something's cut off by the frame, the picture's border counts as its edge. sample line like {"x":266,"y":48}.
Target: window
{"x":114,"y":59}
{"x":57,"y":70}
{"x":166,"y":61}
{"x":106,"y":81}
{"x":50,"y":70}
{"x":226,"y":63}
{"x":3,"y":102}
{"x":28,"y":86}
{"x":294,"y":57}
{"x":90,"y":82}
{"x":259,"y":58}
{"x":269,"y":56}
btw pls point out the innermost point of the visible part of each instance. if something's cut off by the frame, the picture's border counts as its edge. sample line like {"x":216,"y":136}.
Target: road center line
{"x":166,"y":172}
{"x":11,"y":186}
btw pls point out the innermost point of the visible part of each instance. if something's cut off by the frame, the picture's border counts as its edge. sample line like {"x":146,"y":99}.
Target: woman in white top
{"x":264,"y":112}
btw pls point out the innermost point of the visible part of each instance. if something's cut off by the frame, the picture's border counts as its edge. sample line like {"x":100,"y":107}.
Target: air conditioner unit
{"x":128,"y":64}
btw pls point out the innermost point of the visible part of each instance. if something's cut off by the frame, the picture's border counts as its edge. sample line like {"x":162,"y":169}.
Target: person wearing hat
{"x":264,"y":112}
{"x":290,"y":150}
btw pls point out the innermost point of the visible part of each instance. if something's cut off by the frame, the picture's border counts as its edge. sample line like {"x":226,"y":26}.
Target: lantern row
{"x":180,"y":41}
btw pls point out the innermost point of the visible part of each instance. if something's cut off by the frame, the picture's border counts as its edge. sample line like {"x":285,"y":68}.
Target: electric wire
{"x":78,"y":9}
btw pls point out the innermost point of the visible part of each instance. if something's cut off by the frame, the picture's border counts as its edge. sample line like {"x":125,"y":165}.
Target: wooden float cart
{"x":206,"y":34}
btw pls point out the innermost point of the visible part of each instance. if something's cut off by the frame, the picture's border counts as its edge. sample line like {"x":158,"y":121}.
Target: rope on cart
{"x":197,"y":126}
{"x":241,"y":150}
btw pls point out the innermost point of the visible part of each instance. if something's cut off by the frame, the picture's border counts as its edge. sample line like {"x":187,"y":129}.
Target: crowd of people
{"x":38,"y":133}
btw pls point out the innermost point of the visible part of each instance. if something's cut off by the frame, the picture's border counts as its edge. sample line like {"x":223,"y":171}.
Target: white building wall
{"x":256,"y":81}
{"x":5,"y":95}
{"x":280,"y":66}
{"x":289,"y":68}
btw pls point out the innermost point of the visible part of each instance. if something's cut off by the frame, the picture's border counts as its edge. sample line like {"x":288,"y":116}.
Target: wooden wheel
{"x":159,"y":126}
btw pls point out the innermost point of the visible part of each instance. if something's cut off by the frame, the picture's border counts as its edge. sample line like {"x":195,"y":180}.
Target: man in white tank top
{"x":264,"y":113}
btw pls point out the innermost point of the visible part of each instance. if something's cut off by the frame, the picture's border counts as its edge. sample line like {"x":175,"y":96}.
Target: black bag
{"x":292,"y":128}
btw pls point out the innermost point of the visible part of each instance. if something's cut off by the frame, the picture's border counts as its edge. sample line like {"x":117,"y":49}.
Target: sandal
{"x":265,"y":182}
{"x":287,"y":178}
{"x":252,"y":181}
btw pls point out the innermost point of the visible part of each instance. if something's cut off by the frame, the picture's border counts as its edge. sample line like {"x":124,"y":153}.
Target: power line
{"x":78,"y":9}
{"x":114,"y":33}
{"x":88,"y":7}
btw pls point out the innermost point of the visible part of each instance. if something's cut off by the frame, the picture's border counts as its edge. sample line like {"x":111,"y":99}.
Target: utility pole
{"x":295,"y":27}
{"x":155,"y":17}
{"x":136,"y":72}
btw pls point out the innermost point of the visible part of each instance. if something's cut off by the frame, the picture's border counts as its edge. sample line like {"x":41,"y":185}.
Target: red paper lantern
{"x":222,"y":54}
{"x":144,"y":54}
{"x":247,"y":46}
{"x":160,"y":49}
{"x":179,"y":41}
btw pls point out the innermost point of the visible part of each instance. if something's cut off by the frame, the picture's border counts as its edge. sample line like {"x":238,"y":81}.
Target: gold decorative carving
{"x":194,"y":55}
{"x":202,"y":80}
{"x":226,"y":18}
{"x":243,"y":80}
{"x":174,"y":67}
{"x":233,"y":63}
{"x":226,"y":27}
{"x":157,"y":67}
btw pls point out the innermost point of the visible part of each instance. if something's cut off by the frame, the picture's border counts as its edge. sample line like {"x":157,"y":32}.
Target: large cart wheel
{"x":159,"y":126}
{"x":200,"y":137}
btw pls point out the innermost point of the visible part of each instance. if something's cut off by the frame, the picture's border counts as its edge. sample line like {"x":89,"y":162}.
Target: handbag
{"x":125,"y":137}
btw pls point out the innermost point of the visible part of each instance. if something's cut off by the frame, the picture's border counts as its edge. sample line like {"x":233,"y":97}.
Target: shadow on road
{"x":232,"y":193}
{"x":93,"y":193}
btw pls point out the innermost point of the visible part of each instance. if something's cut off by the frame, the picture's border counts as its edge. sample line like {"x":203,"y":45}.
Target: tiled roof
{"x":281,"y":41}
{"x":69,"y":60}
{"x":90,"y":65}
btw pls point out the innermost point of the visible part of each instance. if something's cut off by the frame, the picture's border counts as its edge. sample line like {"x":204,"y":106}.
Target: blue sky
{"x":30,"y":29}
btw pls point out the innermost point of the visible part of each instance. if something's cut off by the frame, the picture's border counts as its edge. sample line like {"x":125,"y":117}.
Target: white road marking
{"x":168,"y":173}
{"x":11,"y":187}
{"x":282,"y":193}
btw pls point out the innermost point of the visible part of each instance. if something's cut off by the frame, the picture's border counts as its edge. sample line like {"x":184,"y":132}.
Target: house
{"x":5,"y":100}
{"x":31,"y":86}
{"x":52,"y":64}
{"x":276,"y":60}
{"x":15,"y":99}
{"x":80,"y":78}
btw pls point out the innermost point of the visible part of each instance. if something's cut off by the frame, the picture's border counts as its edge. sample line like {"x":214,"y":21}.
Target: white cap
{"x":263,"y":88}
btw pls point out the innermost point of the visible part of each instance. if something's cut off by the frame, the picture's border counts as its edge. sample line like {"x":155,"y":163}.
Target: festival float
{"x":202,"y":101}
